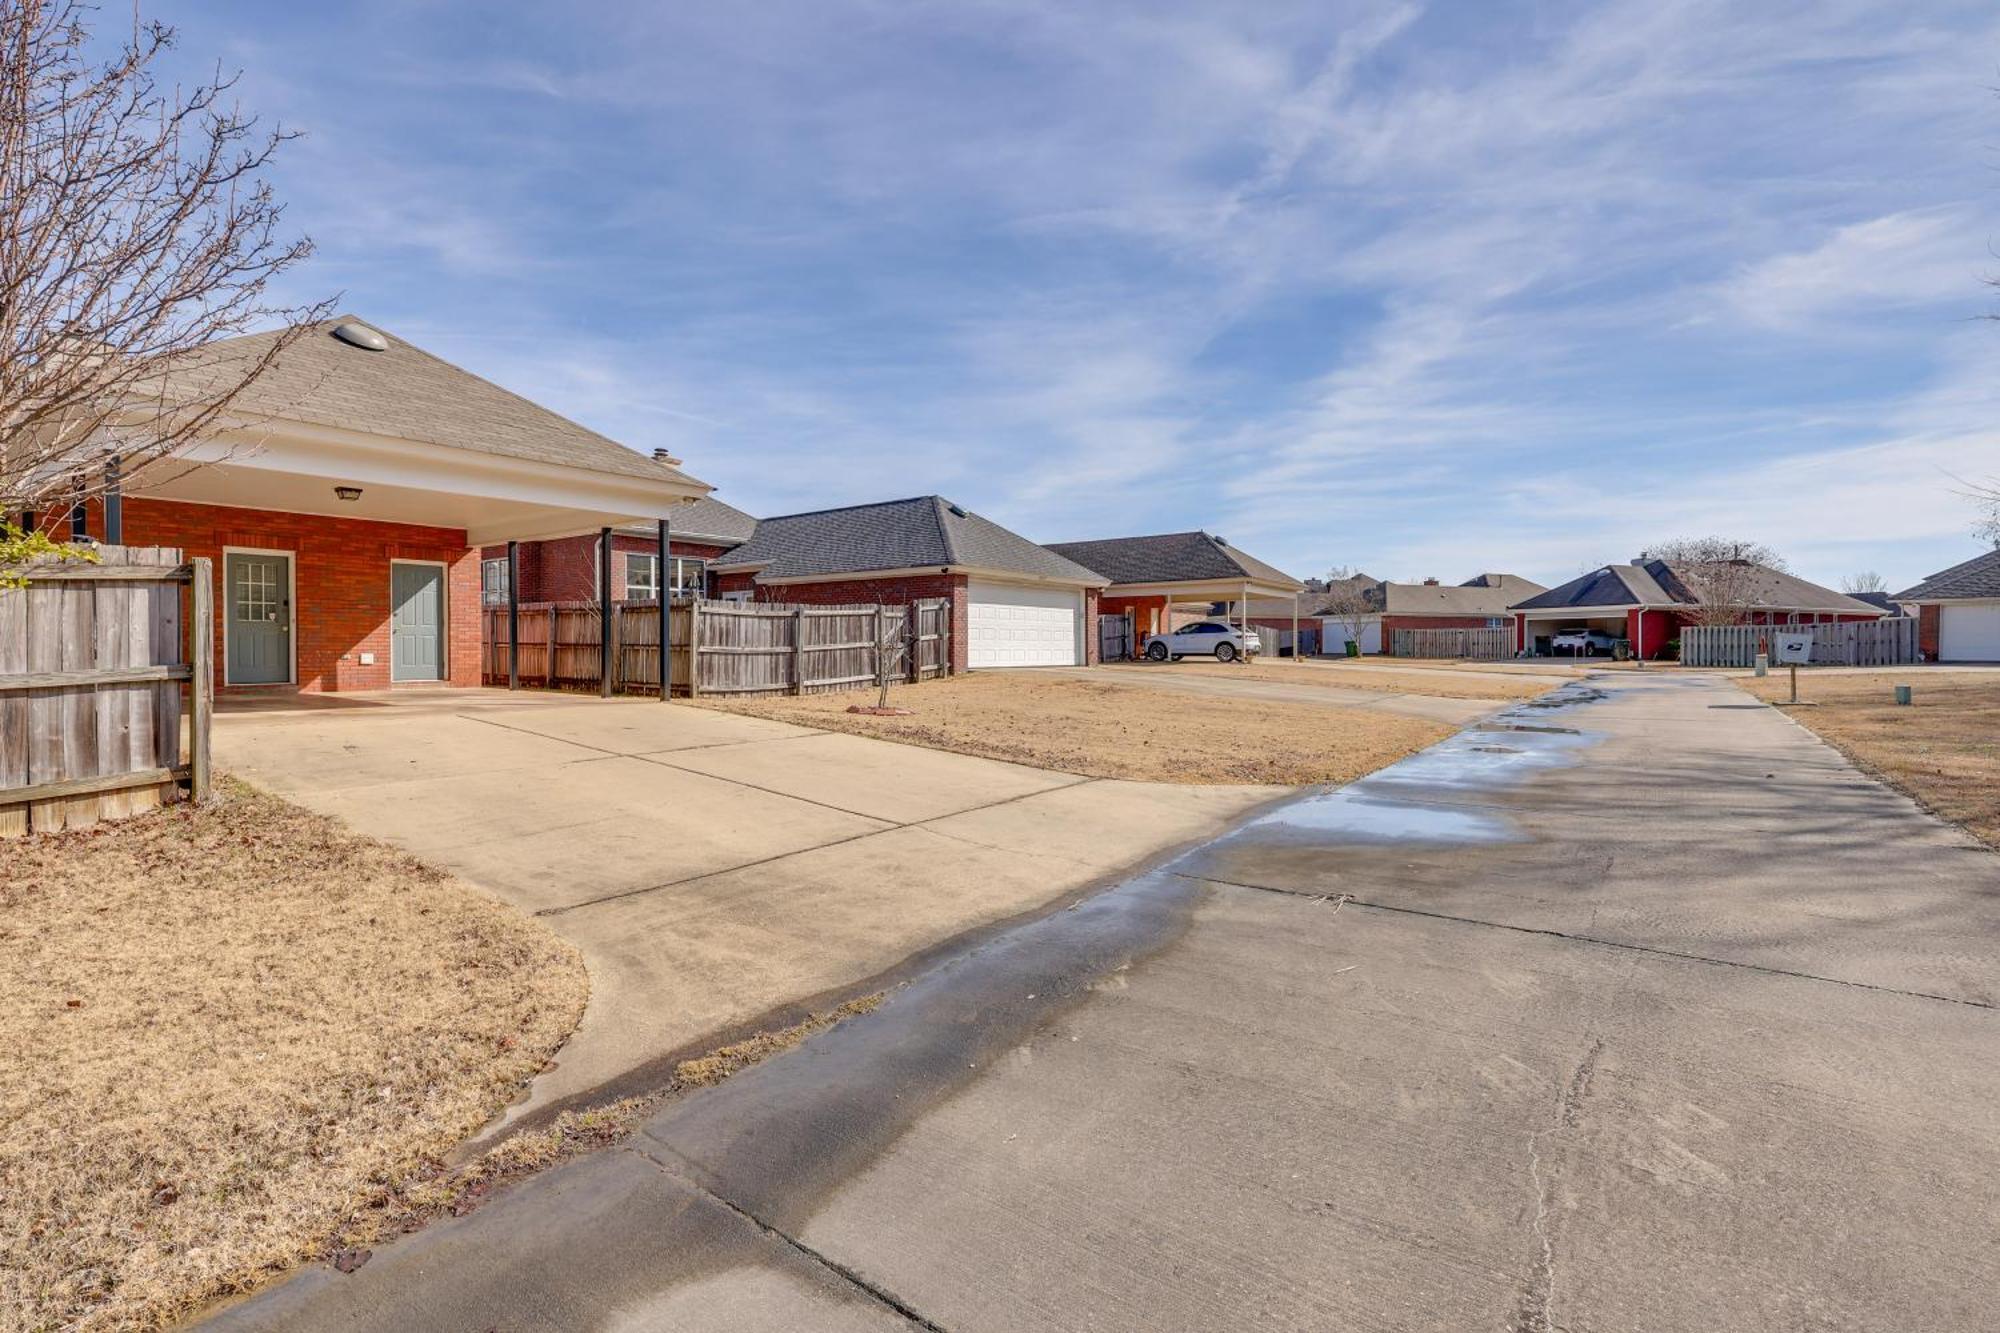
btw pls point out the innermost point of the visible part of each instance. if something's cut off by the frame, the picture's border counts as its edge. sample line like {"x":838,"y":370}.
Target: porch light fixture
{"x":347,"y":492}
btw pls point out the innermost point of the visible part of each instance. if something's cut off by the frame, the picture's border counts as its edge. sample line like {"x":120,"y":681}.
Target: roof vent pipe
{"x":665,"y":456}
{"x":360,"y":335}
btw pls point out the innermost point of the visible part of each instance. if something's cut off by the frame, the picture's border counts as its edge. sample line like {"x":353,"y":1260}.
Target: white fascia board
{"x":351,"y":456}
{"x":1229,"y":589}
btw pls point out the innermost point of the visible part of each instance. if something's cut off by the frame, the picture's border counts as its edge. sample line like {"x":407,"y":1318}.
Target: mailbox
{"x":1795,"y":649}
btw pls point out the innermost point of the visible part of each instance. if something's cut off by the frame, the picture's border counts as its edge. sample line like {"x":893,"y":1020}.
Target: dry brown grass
{"x":224,"y":1027}
{"x":1944,"y":749}
{"x":1108,"y":730}
{"x":1437,"y":684}
{"x":438,"y":1189}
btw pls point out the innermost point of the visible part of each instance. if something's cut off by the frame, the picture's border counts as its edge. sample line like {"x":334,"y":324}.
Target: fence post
{"x":513,"y":615}
{"x":694,"y":648}
{"x":798,"y":650}
{"x":202,"y":693}
{"x":912,"y":635}
{"x":604,"y":612}
{"x":664,"y":589}
{"x":881,"y":647}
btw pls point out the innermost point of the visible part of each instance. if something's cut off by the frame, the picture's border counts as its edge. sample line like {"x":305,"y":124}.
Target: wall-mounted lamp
{"x":347,"y":492}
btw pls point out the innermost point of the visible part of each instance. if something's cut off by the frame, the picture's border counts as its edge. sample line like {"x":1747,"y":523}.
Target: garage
{"x":1969,"y":632}
{"x":1010,"y":625}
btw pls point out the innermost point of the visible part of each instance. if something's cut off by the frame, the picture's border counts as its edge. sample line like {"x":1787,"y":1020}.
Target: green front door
{"x":257,"y":593}
{"x":416,"y":622}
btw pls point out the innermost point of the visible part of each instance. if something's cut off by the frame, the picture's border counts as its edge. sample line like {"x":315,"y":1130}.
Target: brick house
{"x":1481,"y":602}
{"x":1648,"y":602}
{"x":346,"y":498}
{"x":1958,"y":611}
{"x":566,"y":568}
{"x":1160,"y":581}
{"x":1013,"y":603}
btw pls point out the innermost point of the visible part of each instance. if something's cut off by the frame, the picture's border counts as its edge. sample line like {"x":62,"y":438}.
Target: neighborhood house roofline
{"x":1174,"y":561}
{"x":1657,"y":585}
{"x":924,"y":534}
{"x":1977,"y":579}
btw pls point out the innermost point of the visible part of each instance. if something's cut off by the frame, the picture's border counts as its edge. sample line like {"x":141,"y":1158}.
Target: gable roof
{"x":1658,"y":583}
{"x":1171,"y":557}
{"x":1977,"y":577}
{"x":405,"y":393}
{"x":1881,"y":601}
{"x":923,"y":531}
{"x":1483,"y":595}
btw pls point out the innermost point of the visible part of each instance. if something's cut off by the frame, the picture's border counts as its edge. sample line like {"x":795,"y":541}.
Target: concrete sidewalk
{"x":715,"y":870}
{"x":1637,"y":1009}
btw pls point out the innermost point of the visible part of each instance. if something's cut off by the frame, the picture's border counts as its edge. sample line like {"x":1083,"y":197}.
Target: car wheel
{"x":1156,"y":652}
{"x":1225,"y":652}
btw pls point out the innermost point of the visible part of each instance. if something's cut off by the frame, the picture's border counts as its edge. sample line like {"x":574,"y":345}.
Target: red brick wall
{"x":1091,"y":598}
{"x":565,"y":570}
{"x":341,"y":571}
{"x":1928,"y":625}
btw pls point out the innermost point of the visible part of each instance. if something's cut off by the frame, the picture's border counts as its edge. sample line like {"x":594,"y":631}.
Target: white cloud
{"x":1915,"y":258}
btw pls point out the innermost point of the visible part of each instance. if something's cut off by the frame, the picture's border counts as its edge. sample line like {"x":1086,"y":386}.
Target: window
{"x":690,"y":577}
{"x":642,"y":577}
{"x":493,"y":582}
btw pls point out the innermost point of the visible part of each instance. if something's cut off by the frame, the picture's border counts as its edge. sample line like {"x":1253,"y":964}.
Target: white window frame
{"x":695,"y":583}
{"x":226,"y":598}
{"x":652,"y":585}
{"x":487,"y":594}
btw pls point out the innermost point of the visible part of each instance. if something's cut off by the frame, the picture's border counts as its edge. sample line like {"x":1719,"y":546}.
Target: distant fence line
{"x":1891,"y":642}
{"x":738,"y":647}
{"x":1482,"y":645}
{"x":93,"y":661}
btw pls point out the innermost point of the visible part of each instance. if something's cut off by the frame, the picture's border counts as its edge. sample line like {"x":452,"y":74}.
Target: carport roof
{"x":923,"y":532}
{"x":1977,"y":577}
{"x":1173,"y":557}
{"x":1656,"y":583}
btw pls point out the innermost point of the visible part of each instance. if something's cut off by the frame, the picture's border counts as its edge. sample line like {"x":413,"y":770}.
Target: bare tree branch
{"x":1865,"y":581}
{"x":1722,"y":575}
{"x":1351,"y":598}
{"x":136,"y":229}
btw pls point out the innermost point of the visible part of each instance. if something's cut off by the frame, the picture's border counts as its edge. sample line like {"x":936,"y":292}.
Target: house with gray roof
{"x":344,"y":496}
{"x":1163,"y":580}
{"x":1648,"y":602}
{"x":1014,"y":603}
{"x":1958,"y":611}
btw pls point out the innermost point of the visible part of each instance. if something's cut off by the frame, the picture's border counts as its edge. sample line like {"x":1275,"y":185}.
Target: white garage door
{"x":1969,"y":633}
{"x":1008,"y":626}
{"x":1335,"y":632}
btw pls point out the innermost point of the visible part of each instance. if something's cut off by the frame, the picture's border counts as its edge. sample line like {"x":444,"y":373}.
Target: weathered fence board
{"x":92,"y":665}
{"x":1482,"y":645}
{"x":1890,"y":642}
{"x":723,"y":647}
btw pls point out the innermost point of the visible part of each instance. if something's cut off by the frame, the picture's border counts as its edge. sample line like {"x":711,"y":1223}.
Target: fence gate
{"x":1482,"y":645}
{"x":1114,"y":637}
{"x":93,"y":662}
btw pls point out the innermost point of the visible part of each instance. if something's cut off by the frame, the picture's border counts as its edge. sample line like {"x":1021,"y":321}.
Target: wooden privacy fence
{"x":1890,"y":642}
{"x":1483,"y":645}
{"x":93,"y":659}
{"x":1114,"y":637}
{"x":739,"y":648}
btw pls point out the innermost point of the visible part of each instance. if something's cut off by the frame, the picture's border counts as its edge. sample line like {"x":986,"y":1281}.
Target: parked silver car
{"x":1207,"y":638}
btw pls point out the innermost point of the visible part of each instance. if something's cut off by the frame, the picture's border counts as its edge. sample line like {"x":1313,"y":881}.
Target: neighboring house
{"x":345,"y":499}
{"x":566,"y":570}
{"x":1158,"y":581}
{"x":1013,"y":603}
{"x":1958,"y":611}
{"x":1481,"y":602}
{"x":1882,"y":601}
{"x":1649,"y":602}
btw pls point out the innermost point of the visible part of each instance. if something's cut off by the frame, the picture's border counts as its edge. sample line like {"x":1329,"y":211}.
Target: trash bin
{"x":1353,"y":648}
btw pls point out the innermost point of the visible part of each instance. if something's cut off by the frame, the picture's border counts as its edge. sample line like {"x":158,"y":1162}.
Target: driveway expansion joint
{"x":1653,"y":950}
{"x":880,"y":1295}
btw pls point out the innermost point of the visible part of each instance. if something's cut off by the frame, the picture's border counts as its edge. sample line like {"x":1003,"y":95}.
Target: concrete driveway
{"x":716,"y":871}
{"x":1637,"y":1009}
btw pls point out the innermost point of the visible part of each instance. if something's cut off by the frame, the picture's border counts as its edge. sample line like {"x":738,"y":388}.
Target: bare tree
{"x":1724,"y":577}
{"x":136,"y":227}
{"x":1866,"y":581}
{"x":1351,"y":598}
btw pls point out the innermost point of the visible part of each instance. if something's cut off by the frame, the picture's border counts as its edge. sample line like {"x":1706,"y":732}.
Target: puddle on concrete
{"x":1425,"y":798}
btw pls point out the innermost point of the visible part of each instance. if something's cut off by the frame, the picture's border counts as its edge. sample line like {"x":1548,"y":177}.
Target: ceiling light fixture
{"x":347,"y":492}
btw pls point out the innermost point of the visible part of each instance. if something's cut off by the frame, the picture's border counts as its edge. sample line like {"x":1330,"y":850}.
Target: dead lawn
{"x":1108,"y":730}
{"x":223,"y":1030}
{"x":1437,"y":684}
{"x":1944,"y":749}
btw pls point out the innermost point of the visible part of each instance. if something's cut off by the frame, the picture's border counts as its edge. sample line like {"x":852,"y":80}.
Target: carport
{"x":1156,"y":579}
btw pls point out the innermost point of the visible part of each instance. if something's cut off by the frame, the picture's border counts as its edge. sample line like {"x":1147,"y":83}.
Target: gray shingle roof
{"x":1485,"y":595}
{"x":1172,"y":557}
{"x":710,"y":521}
{"x":406,"y":393}
{"x":1657,"y":583}
{"x":926,"y":530}
{"x":1977,"y":577}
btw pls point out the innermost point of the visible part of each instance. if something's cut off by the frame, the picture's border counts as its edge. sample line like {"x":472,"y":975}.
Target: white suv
{"x":1207,"y":638}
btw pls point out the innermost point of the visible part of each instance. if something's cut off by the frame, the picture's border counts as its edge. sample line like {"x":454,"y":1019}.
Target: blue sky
{"x":1423,"y":289}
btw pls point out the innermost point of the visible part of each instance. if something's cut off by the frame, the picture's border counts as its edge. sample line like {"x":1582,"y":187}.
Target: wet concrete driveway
{"x":1643,"y":1010}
